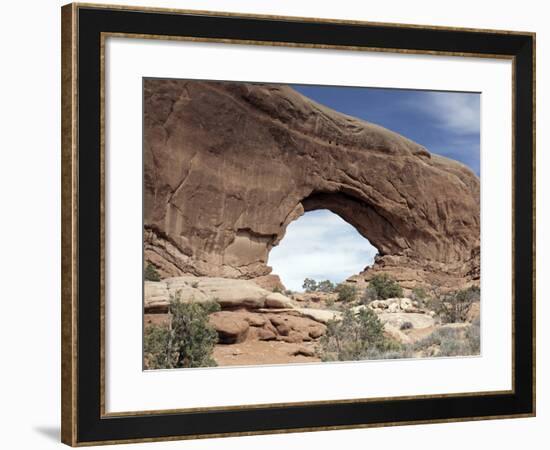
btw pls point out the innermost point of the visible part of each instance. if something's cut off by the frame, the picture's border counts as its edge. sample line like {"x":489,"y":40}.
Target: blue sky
{"x":446,"y":123}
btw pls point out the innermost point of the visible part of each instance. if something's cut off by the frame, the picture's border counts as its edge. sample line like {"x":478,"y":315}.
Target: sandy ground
{"x":252,"y":352}
{"x":417,"y":334}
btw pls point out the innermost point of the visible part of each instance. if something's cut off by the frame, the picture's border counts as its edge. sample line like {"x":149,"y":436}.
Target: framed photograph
{"x":281,"y":224}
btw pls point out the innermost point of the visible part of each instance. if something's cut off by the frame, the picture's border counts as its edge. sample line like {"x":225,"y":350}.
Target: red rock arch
{"x":227,"y":166}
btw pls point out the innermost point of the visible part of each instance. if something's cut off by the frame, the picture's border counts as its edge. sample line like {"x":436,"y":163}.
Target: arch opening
{"x":320,"y":245}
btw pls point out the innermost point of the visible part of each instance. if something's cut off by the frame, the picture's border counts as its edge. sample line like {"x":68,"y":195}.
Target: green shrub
{"x":325,"y":286}
{"x":151,"y":273}
{"x":189,"y":340}
{"x":346,"y":292}
{"x":454,"y":306}
{"x":369,"y":294}
{"x":353,"y":337}
{"x":309,"y":285}
{"x":471,"y":294}
{"x":156,"y":348}
{"x":277,"y":290}
{"x":385,"y":287}
{"x":452,"y":342}
{"x":419,"y":294}
{"x":398,"y":352}
{"x":473,"y":337}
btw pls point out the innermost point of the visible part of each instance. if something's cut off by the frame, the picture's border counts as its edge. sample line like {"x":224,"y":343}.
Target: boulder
{"x":378,"y":304}
{"x":266,"y":335}
{"x":227,"y":292}
{"x":294,"y":328}
{"x":156,"y":297}
{"x":295,"y":337}
{"x":255,"y":320}
{"x":394,"y":305}
{"x":394,"y":308}
{"x":406,"y":304}
{"x":155,"y":290}
{"x":303,"y":351}
{"x":186,"y":289}
{"x":230,"y":327}
{"x":156,"y":306}
{"x":276,"y":300}
{"x":397,"y":319}
{"x":233,"y":293}
{"x":320,"y":315}
{"x":316,"y":331}
{"x":283,"y":329}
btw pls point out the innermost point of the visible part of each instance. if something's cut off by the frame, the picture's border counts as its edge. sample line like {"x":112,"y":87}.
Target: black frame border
{"x":91,"y":426}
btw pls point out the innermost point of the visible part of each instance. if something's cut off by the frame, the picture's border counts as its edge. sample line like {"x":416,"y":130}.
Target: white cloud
{"x":458,"y":112}
{"x":320,"y":245}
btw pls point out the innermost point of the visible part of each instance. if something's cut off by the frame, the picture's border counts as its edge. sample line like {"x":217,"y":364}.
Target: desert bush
{"x":369,"y":294}
{"x":277,"y":290}
{"x":353,"y":337}
{"x":288,"y":292}
{"x":156,"y":347}
{"x":453,"y":307}
{"x":385,"y":287}
{"x":419,"y":294}
{"x":325,"y":286}
{"x":346,"y":292}
{"x":406,"y":326}
{"x":452,"y":342}
{"x":311,"y":285}
{"x":473,"y":336}
{"x":397,"y":352}
{"x":187,"y":342}
{"x":151,"y":273}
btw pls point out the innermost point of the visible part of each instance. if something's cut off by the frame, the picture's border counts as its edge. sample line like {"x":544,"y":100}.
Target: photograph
{"x":293,"y":223}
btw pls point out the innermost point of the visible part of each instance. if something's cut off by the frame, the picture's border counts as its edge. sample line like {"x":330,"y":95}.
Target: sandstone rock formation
{"x":393,"y":305}
{"x":230,"y":327}
{"x":229,"y":293}
{"x":415,"y":319}
{"x":248,"y":311}
{"x":227,"y":166}
{"x":276,"y":300}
